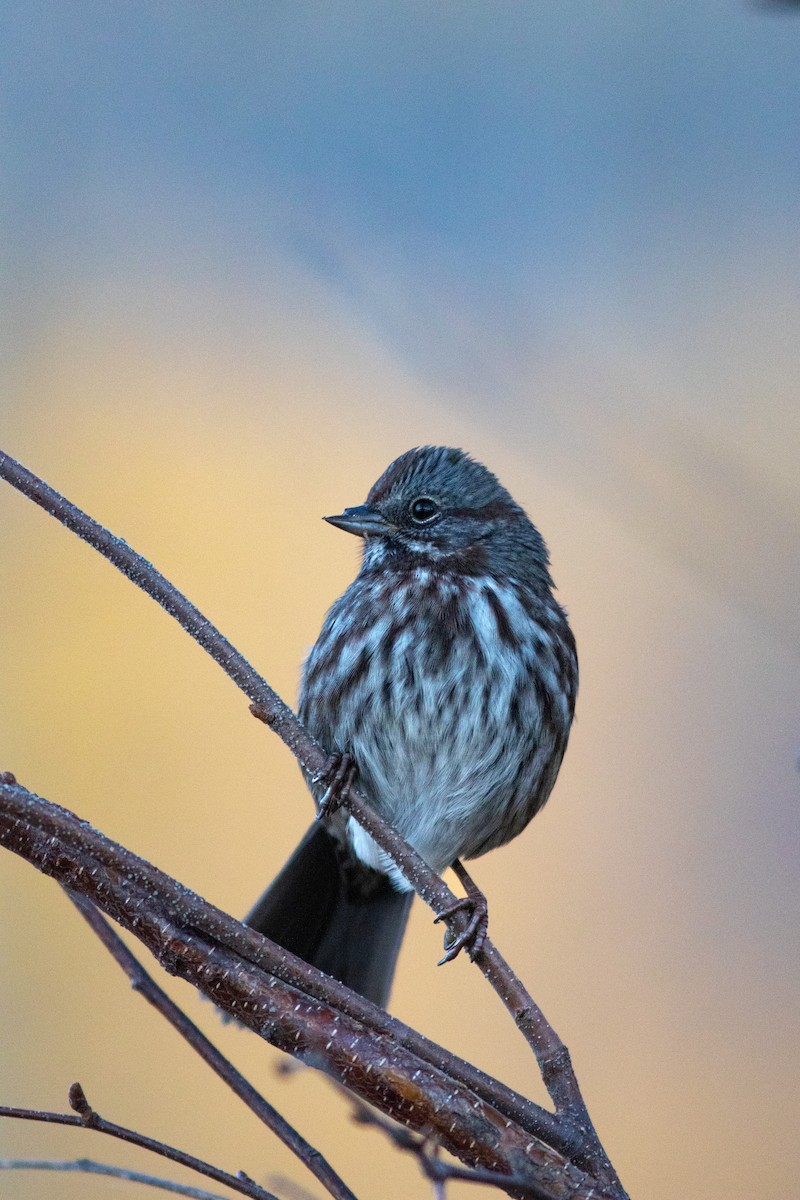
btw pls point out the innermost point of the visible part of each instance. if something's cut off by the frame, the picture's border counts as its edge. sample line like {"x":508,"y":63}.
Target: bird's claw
{"x":473,"y":935}
{"x":338,"y":777}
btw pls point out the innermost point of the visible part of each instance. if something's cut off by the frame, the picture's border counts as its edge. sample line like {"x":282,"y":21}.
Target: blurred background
{"x":251,"y":253}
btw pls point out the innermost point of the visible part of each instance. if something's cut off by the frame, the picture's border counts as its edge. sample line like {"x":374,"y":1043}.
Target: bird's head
{"x":436,"y":505}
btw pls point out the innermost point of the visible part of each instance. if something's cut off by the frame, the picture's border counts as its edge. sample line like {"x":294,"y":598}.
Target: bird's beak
{"x":363,"y":521}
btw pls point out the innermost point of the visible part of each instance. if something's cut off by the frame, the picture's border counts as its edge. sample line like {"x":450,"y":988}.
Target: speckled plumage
{"x":448,"y":671}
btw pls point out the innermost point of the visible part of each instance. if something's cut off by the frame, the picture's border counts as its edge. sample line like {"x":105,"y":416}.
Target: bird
{"x":443,"y":682}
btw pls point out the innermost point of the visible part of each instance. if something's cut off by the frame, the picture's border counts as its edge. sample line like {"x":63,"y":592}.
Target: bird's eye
{"x":423,"y":510}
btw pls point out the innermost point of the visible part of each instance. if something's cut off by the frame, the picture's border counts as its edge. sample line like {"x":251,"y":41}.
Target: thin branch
{"x":306,"y":1021}
{"x":88,"y":1166}
{"x":267,"y":705}
{"x":434,"y":1168}
{"x":551,"y":1053}
{"x":35,"y":827}
{"x":86,"y":1118}
{"x":149,"y":989}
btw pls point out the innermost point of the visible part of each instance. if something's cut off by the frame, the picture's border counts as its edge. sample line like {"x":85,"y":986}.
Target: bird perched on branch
{"x":444,"y":678}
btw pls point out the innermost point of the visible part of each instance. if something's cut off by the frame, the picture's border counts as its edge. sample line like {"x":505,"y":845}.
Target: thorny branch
{"x":570,"y":1129}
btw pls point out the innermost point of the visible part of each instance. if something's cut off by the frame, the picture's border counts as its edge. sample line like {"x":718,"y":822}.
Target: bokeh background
{"x":253,"y":251}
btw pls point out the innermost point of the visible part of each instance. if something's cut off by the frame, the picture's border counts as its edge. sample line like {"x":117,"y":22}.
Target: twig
{"x":38,"y":830}
{"x":87,"y":1118}
{"x":306,"y":1021}
{"x":438,"y":1171}
{"x":149,"y":989}
{"x":552,"y":1055}
{"x":88,"y":1166}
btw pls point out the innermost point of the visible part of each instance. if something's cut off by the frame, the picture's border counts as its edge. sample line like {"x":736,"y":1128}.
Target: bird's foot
{"x":473,"y":935}
{"x":338,"y":777}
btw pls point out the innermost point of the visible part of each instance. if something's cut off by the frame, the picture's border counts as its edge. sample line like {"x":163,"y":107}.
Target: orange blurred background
{"x":209,"y":401}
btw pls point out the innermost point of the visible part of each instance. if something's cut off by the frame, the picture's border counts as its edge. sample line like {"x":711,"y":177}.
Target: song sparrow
{"x":448,"y":672}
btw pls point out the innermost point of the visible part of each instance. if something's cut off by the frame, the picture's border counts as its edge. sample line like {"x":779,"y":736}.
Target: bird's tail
{"x":335,"y":913}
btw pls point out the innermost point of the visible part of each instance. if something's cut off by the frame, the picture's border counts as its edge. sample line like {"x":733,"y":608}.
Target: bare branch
{"x":147,"y":987}
{"x":574,"y":1127}
{"x":87,"y":1118}
{"x":35,"y":826}
{"x":438,"y":1171}
{"x":88,"y":1166}
{"x":552,"y":1055}
{"x":304,"y":1018}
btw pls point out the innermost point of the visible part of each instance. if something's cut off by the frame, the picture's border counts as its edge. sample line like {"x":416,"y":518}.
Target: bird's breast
{"x":449,"y":692}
